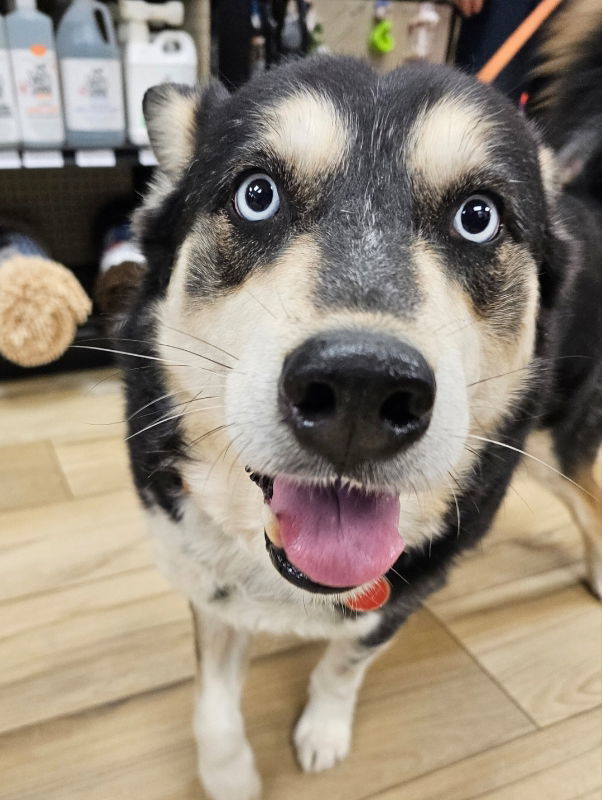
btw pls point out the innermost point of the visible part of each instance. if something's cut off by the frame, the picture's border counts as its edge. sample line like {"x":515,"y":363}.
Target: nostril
{"x":396,"y":410}
{"x":318,"y":401}
{"x":404,"y":408}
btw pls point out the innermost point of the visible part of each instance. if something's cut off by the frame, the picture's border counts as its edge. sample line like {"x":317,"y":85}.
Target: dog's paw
{"x":232,"y":778}
{"x":322,"y":737}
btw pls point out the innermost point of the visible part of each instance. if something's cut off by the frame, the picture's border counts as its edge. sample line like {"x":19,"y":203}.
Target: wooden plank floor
{"x":490,"y":693}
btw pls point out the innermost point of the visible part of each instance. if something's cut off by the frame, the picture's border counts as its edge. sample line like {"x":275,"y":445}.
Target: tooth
{"x":271,"y":526}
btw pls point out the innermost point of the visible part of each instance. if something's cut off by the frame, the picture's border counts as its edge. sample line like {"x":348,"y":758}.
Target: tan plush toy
{"x":41,"y":301}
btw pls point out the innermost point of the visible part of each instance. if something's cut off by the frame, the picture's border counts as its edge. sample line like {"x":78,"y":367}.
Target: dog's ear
{"x":557,"y":246}
{"x":172,"y":113}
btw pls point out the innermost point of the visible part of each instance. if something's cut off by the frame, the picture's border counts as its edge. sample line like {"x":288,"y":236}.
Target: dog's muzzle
{"x":354,"y":397}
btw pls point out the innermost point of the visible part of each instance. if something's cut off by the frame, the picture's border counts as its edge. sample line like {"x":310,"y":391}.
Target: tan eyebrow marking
{"x":448,"y":140}
{"x":306,"y":131}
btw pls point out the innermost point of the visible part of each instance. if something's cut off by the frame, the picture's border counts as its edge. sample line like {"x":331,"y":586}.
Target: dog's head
{"x":348,"y":265}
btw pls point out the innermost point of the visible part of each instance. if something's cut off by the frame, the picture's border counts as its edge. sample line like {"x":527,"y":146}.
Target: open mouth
{"x":329,"y":539}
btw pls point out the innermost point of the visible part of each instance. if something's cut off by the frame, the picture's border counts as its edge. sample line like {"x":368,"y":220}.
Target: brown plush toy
{"x":41,"y":301}
{"x":122,"y":267}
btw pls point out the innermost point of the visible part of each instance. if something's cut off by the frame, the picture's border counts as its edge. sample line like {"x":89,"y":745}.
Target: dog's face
{"x":354,"y":259}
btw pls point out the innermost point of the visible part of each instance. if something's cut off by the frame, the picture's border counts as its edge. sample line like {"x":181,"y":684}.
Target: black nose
{"x":352,"y":397}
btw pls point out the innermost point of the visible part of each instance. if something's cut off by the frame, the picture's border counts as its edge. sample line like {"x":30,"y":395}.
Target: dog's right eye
{"x":257,"y":198}
{"x":478,"y":219}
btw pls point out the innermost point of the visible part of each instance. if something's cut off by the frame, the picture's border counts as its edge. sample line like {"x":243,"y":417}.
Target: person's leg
{"x":482,"y":34}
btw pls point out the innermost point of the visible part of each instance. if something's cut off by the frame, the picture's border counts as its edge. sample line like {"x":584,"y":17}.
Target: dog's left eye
{"x":478,"y":219}
{"x":257,"y":198}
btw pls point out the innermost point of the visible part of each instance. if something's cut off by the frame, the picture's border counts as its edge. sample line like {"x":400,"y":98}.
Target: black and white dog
{"x":366,"y":295}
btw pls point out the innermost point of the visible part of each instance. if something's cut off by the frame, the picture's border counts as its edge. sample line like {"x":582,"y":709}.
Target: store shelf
{"x":57,"y":159}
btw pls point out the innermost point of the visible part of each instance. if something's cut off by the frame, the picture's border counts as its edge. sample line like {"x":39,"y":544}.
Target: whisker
{"x":265,"y":308}
{"x":281,"y":301}
{"x":456,"y":502}
{"x":205,"y":435}
{"x":152,"y":402}
{"x":186,"y":403}
{"x":112,"y":375}
{"x":214,"y":464}
{"x":513,"y":488}
{"x":168,"y":419}
{"x":202,"y":341}
{"x":126,"y":353}
{"x":533,"y":458}
{"x":163,"y":397}
{"x":173,"y":347}
{"x":459,"y":488}
{"x":240,"y":457}
{"x":538,"y":365}
{"x":197,"y":397}
{"x":399,"y":575}
{"x":222,"y":457}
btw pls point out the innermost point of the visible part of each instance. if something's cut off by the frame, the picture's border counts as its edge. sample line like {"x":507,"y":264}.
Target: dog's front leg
{"x":323,"y":732}
{"x":226,"y":763}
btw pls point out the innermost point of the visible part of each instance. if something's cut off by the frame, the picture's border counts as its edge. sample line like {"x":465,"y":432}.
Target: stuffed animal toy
{"x":41,"y":301}
{"x":122,"y":266}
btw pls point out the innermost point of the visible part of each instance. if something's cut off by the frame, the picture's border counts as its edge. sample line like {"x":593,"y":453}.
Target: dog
{"x":367,"y":295}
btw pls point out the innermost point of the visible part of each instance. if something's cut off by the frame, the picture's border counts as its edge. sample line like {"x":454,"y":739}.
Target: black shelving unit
{"x":82,"y":159}
{"x":59,"y":194}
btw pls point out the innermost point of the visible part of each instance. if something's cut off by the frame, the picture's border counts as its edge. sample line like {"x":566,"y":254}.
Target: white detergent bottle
{"x":91,"y":75}
{"x":166,"y":57}
{"x":33,"y":59}
{"x":10,"y":135}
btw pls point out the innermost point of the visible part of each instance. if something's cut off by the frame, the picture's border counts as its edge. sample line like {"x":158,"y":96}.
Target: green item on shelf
{"x":381,"y":40}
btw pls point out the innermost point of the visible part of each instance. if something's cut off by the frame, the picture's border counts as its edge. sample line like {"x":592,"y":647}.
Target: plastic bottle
{"x":91,"y":75}
{"x":10,"y":135}
{"x":33,"y":59}
{"x":166,"y":57}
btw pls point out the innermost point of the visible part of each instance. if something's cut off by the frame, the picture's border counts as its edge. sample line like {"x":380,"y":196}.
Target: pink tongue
{"x":337,"y":537}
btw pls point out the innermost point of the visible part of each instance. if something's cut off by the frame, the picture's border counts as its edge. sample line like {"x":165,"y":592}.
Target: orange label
{"x":38,"y":49}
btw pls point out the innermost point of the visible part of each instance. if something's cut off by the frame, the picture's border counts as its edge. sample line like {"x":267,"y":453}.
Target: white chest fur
{"x":231,"y":577}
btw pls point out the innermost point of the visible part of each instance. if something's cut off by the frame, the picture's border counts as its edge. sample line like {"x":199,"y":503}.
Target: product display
{"x":10,"y":135}
{"x":41,"y":301}
{"x":150,"y":59}
{"x":88,"y":58}
{"x":91,"y":76}
{"x":421,"y":31}
{"x":33,"y":59}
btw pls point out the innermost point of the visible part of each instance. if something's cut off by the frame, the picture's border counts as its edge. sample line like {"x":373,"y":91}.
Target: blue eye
{"x":257,"y":198}
{"x":477,"y":219}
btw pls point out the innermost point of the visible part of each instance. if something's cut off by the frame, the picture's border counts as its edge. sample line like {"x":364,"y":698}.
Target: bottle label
{"x":9,"y":128}
{"x":140,"y":77}
{"x":38,"y":94}
{"x":93,"y":94}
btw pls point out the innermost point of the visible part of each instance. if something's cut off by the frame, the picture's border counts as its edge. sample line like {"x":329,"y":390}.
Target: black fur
{"x":572,"y":119}
{"x":154,"y":453}
{"x":571,"y":123}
